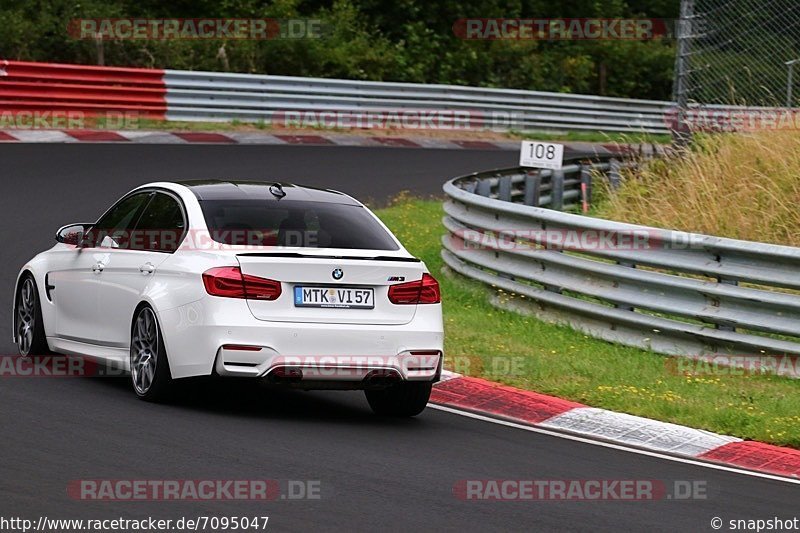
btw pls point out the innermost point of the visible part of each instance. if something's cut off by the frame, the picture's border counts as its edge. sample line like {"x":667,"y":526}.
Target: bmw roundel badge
{"x":337,"y":273}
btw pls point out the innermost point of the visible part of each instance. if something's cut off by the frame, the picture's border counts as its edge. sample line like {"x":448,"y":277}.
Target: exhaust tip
{"x":285,"y":374}
{"x":382,"y":377}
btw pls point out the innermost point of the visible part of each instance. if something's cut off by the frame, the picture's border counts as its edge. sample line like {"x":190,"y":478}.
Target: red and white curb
{"x":193,"y":137}
{"x":540,"y":410}
{"x":256,"y":138}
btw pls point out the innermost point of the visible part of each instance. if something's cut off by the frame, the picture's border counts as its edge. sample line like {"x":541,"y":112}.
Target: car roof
{"x":218,"y":189}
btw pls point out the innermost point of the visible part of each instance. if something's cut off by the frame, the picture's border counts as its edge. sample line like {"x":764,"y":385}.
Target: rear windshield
{"x":294,"y":223}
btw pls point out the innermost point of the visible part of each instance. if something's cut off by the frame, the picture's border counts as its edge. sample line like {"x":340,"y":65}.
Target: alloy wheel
{"x":26,"y":316}
{"x":144,"y":350}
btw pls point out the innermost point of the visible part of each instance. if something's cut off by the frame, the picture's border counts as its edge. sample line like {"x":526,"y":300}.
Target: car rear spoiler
{"x":313,"y":256}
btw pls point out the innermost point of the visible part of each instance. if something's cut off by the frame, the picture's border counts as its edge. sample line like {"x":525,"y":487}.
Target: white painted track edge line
{"x":586,"y":440}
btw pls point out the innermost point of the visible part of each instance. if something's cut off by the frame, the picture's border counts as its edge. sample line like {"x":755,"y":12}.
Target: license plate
{"x":336,"y":297}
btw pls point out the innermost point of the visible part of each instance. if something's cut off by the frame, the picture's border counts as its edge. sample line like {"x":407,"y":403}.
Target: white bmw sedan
{"x":294,"y":285}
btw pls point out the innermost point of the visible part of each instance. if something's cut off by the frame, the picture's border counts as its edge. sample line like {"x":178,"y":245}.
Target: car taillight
{"x":229,"y":282}
{"x":424,"y":291}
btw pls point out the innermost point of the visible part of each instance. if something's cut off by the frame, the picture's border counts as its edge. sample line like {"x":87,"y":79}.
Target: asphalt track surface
{"x":373,"y":473}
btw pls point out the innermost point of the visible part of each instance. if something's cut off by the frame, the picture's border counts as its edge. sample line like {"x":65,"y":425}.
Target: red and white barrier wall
{"x":91,"y":91}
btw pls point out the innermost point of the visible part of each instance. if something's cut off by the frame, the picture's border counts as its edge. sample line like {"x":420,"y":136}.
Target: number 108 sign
{"x":541,"y":155}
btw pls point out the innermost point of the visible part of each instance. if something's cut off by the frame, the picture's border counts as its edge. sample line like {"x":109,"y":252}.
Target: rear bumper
{"x":357,"y":371}
{"x":221,"y":334}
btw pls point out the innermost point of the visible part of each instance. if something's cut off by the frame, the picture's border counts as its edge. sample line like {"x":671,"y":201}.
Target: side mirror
{"x":71,"y":234}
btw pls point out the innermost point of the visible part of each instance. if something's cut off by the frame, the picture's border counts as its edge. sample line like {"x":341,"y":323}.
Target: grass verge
{"x":742,"y":186}
{"x":599,"y":137}
{"x":553,"y":359}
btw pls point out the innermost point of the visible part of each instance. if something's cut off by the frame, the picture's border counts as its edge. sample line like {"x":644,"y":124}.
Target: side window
{"x":117,"y":222}
{"x":161,"y":227}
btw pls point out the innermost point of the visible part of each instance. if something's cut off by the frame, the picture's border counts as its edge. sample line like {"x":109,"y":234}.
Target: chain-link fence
{"x":739,"y":52}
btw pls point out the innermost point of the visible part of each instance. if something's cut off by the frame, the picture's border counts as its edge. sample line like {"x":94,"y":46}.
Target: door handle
{"x":147,"y":268}
{"x":98,"y":267}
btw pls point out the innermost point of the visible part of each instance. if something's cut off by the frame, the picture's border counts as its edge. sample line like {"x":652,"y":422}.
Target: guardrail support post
{"x":557,"y":190}
{"x":613,"y":173}
{"x":484,"y":189}
{"x":586,"y":186}
{"x":533,"y":186}
{"x":504,"y":189}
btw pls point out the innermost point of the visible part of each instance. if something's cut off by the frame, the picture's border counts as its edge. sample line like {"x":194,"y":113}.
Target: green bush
{"x":406,"y":40}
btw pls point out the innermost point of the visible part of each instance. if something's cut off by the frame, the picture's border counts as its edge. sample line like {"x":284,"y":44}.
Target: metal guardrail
{"x":214,"y":96}
{"x":28,"y":87}
{"x":675,"y":292}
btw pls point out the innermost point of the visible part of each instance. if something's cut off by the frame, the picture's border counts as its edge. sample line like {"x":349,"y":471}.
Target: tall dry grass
{"x":743,"y":186}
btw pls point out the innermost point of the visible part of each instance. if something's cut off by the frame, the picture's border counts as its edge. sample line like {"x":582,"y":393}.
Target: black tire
{"x":152,"y":382}
{"x":29,"y":334}
{"x":403,"y":399}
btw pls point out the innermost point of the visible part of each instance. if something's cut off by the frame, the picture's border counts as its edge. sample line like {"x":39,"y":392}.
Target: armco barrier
{"x":91,"y":91}
{"x":211,"y":96}
{"x":674,"y":292}
{"x":285,"y":101}
{"x":214,"y":96}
